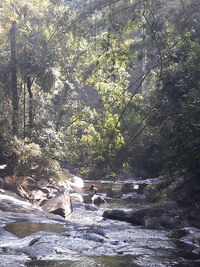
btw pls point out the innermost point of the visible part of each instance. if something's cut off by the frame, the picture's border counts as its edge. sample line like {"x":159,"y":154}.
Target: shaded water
{"x":111,"y":261}
{"x":23,"y":229}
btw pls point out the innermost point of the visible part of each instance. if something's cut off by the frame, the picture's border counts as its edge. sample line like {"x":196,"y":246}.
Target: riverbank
{"x":86,"y":237}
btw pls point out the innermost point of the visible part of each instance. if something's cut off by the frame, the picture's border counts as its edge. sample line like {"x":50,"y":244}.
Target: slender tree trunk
{"x":15,"y":97}
{"x":144,"y":57}
{"x":59,"y":120}
{"x":29,"y":85}
{"x":61,"y":111}
{"x":24,"y":110}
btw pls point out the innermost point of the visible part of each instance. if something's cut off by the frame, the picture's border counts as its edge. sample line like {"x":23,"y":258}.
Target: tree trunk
{"x":61,"y":111}
{"x":24,"y":107}
{"x":15,"y":97}
{"x":29,"y":85}
{"x":144,"y":57}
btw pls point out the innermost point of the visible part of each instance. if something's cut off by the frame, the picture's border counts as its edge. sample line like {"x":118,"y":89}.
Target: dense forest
{"x":107,"y":85}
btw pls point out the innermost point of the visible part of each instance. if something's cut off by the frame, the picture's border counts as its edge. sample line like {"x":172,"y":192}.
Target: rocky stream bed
{"x":126,"y":231}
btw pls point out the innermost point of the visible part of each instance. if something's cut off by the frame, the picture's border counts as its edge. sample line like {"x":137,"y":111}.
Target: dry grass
{"x":18,"y":181}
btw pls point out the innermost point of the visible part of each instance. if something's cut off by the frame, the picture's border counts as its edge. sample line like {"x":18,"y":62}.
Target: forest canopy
{"x":108,"y":84}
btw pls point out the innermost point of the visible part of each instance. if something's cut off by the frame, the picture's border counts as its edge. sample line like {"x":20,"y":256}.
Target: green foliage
{"x":30,"y":160}
{"x":175,"y":105}
{"x":141,"y":59}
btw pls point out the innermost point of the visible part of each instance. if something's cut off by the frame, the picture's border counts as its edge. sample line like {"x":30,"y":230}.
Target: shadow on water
{"x":119,"y":203}
{"x":23,"y":229}
{"x":108,"y":261}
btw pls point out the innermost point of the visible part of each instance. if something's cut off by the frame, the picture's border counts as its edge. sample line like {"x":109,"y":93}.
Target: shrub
{"x":28,"y":159}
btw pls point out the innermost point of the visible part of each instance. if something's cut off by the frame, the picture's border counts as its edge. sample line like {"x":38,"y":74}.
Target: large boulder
{"x":59,"y":205}
{"x":116,"y":214}
{"x":11,"y":202}
{"x":162,"y":215}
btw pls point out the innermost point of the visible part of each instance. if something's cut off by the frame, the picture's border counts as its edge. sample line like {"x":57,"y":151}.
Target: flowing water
{"x":124,"y":246}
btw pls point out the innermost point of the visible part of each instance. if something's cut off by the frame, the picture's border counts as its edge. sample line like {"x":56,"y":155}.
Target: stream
{"x":91,"y":240}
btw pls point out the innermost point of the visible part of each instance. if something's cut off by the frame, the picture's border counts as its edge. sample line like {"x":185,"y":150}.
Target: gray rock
{"x":98,"y":200}
{"x":97,"y":231}
{"x":162,"y":212}
{"x":114,"y":193}
{"x":189,"y":230}
{"x":120,"y":215}
{"x":13,"y":260}
{"x":60,"y":205}
{"x":90,"y":207}
{"x":84,"y":206}
{"x":192,"y":238}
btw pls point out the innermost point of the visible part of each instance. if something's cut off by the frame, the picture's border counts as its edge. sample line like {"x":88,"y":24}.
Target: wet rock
{"x":120,"y":215}
{"x":93,"y":237}
{"x":188,"y":230}
{"x":84,"y":206}
{"x":153,"y":210}
{"x":193,"y":238}
{"x":97,"y":231}
{"x":114,"y":193}
{"x":60,"y":205}
{"x":90,"y":207}
{"x":163,"y":222}
{"x":98,"y":200}
{"x":60,"y":247}
{"x":162,"y":212}
{"x":33,"y":241}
